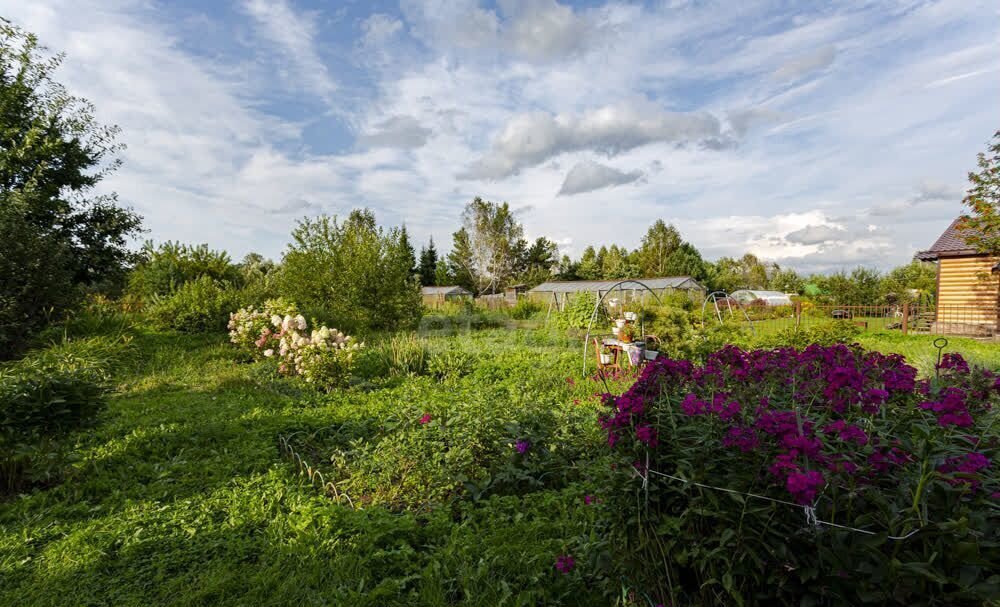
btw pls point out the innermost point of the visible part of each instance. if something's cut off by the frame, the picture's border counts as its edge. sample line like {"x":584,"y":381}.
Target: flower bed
{"x":798,"y":468}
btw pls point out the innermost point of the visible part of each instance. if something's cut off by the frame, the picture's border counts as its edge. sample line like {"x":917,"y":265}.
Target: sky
{"x":821,"y":136}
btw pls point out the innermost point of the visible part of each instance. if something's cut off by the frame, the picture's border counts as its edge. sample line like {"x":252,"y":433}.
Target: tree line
{"x":489,"y":252}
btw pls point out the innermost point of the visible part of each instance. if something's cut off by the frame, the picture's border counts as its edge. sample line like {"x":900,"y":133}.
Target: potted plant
{"x":605,"y":357}
{"x":621,"y":322}
{"x":651,"y":354}
{"x":631,"y":316}
{"x":628,"y":333}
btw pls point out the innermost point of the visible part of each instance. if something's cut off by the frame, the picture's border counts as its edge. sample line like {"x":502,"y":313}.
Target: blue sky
{"x":818,"y":135}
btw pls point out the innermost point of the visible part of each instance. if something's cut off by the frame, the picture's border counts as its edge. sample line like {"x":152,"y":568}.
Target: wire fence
{"x":970,"y":321}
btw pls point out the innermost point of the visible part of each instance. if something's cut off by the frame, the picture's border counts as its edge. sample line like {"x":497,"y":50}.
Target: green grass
{"x":179,"y":496}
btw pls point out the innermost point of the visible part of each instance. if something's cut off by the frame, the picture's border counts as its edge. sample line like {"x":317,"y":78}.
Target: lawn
{"x":180,"y":495}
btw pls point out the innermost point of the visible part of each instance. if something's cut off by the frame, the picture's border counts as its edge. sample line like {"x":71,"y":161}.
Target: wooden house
{"x":968,"y":285}
{"x":435,"y":296}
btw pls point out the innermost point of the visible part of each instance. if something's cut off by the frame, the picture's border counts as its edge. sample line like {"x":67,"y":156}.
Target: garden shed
{"x":559,"y":292}
{"x":968,"y":289}
{"x":767,"y":298}
{"x":435,"y":296}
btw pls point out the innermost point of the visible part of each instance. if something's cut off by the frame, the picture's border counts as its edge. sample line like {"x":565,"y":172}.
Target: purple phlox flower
{"x":846,"y":432}
{"x":953,"y":362}
{"x":522,"y":445}
{"x":647,"y":435}
{"x":565,"y":563}
{"x":692,"y":405}
{"x":425,"y":419}
{"x":741,"y":437}
{"x":588,"y":499}
{"x":804,"y":485}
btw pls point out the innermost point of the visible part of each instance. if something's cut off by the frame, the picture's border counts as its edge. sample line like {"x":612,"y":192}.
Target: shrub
{"x":850,"y":436}
{"x":525,"y":308}
{"x":168,"y":267}
{"x":827,"y":334}
{"x":355,"y":273}
{"x":45,"y":395}
{"x":199,"y":305}
{"x":325,"y":359}
{"x":256,"y":331}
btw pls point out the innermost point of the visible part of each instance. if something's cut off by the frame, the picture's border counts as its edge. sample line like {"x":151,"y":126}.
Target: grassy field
{"x":181,"y":497}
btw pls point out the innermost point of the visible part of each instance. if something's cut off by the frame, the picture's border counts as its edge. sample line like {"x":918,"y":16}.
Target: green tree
{"x":428,"y":264}
{"x":568,"y":269}
{"x":617,"y":264}
{"x":658,"y":247}
{"x":355,"y":275}
{"x":588,"y":268}
{"x":57,"y":239}
{"x":785,"y":280}
{"x":538,"y":262}
{"x":442,"y":276}
{"x":981,"y":227}
{"x":493,"y":235}
{"x":165,"y":268}
{"x":461,"y":264}
{"x":747,"y":272}
{"x":913,"y":282}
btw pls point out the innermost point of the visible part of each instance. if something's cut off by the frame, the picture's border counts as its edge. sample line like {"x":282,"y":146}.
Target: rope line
{"x":810,"y":511}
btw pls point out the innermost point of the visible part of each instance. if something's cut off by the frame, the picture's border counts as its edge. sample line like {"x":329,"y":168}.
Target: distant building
{"x":968,"y":289}
{"x":435,"y":296}
{"x":558,"y":292}
{"x":767,"y":298}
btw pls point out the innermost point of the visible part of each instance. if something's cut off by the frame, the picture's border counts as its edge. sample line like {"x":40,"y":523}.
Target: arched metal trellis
{"x":727,"y":307}
{"x":597,"y":306}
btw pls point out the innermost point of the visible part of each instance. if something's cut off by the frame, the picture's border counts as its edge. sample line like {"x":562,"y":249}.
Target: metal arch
{"x":714,"y":298}
{"x":597,"y":306}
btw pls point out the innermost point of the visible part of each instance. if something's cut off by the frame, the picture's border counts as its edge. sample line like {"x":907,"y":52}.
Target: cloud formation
{"x":396,"y":131}
{"x":587,"y":176}
{"x":531,"y":139}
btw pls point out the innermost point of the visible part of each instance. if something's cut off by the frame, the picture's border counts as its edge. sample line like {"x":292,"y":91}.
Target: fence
{"x":971,"y":321}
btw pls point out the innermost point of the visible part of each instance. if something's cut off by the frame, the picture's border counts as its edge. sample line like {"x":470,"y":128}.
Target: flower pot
{"x":620,"y":322}
{"x":651,"y":354}
{"x":605,"y":359}
{"x":631,"y":316}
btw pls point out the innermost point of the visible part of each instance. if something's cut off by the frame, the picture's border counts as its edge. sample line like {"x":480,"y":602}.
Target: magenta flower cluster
{"x":812,"y":413}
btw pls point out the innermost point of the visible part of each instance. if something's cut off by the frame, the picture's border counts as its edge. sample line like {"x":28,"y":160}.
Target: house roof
{"x":950,"y":244}
{"x":449,"y":290}
{"x":576,"y":286}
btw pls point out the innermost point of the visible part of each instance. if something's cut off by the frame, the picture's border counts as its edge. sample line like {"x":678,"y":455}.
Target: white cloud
{"x":544,"y":29}
{"x":396,"y":131}
{"x":379,"y":27}
{"x":587,"y":176}
{"x":806,"y":64}
{"x":531,"y":139}
{"x":816,"y":234}
{"x":294,"y":36}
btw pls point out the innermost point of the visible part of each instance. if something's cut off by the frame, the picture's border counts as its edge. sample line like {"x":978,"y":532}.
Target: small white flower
{"x":269,"y":352}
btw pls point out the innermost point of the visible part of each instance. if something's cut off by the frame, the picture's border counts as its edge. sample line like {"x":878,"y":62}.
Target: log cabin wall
{"x":967,"y":289}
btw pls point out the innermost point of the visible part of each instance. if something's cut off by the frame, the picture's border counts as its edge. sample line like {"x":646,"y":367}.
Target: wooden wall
{"x":967,"y":291}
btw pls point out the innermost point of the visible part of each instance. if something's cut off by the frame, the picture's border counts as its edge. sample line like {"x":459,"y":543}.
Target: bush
{"x":850,"y":436}
{"x":199,"y":305}
{"x":353,"y":273}
{"x":525,"y":308}
{"x":44,"y":396}
{"x":165,"y":269}
{"x":826,"y":334}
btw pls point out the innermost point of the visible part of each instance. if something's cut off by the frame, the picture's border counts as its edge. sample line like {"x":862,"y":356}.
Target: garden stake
{"x":939,"y":343}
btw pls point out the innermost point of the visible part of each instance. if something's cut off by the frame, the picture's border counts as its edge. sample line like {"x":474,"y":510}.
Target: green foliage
{"x":402,"y":354}
{"x":664,"y":253}
{"x":201,"y":304}
{"x":354,"y":275}
{"x":981,"y":226}
{"x":166,"y":268}
{"x":45,"y":395}
{"x":57,"y":239}
{"x":825,"y":334}
{"x":494,"y":237}
{"x":525,"y":308}
{"x":577,"y":312}
{"x":451,"y":363}
{"x":428,"y":265}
